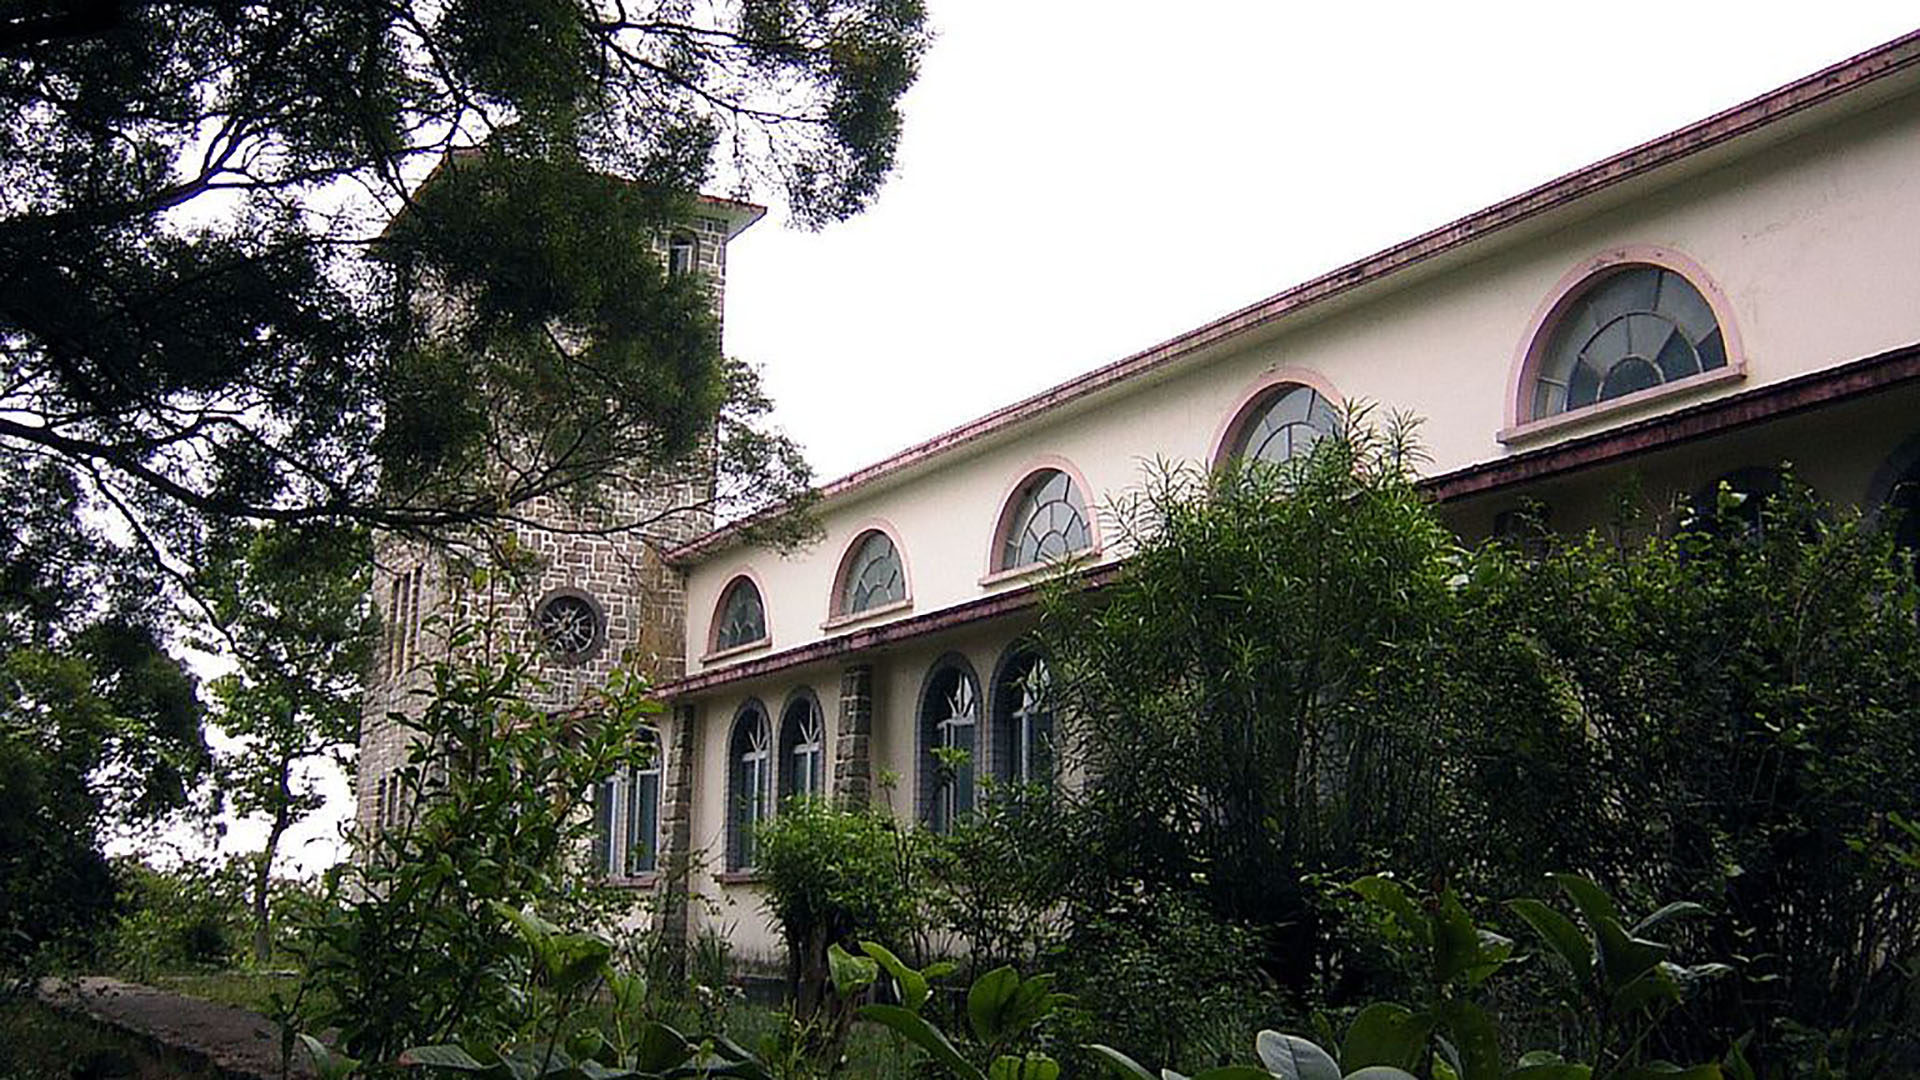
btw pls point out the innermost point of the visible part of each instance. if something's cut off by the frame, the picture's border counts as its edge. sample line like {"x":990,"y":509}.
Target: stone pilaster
{"x":853,"y":738}
{"x":676,"y":843}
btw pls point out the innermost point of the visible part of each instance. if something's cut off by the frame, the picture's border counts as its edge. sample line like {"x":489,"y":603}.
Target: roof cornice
{"x":1826,"y":85}
{"x":1832,"y":386}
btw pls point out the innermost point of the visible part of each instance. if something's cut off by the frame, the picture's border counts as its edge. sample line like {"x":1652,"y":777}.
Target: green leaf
{"x":1591,"y":899}
{"x":1293,"y":1058}
{"x":442,"y":1057}
{"x":1030,"y":1067}
{"x":661,"y":1048}
{"x":1667,"y":1070}
{"x":851,"y":974}
{"x":1381,"y":1072}
{"x":1474,"y":1038}
{"x":1677,"y":909}
{"x":913,"y":985}
{"x":1233,"y":1072}
{"x":326,"y":1063}
{"x":915,"y":1029}
{"x":1389,"y":896}
{"x":987,"y":1002}
{"x":1547,"y":1065}
{"x":1385,"y":1034}
{"x":1128,"y":1068}
{"x":1558,"y":933}
{"x":1657,"y":985}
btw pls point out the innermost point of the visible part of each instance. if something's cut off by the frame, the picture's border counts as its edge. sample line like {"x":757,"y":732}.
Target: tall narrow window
{"x":873,"y":576}
{"x":1048,"y":521}
{"x":1283,"y":424}
{"x":750,"y":782}
{"x":742,"y":619}
{"x":683,"y":254}
{"x":950,"y":715}
{"x":1023,"y":721}
{"x":1630,"y":328}
{"x":643,"y":813}
{"x":626,"y":818}
{"x":803,"y":748}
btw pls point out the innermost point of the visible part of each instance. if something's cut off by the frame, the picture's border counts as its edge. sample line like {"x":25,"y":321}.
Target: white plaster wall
{"x":1814,"y":241}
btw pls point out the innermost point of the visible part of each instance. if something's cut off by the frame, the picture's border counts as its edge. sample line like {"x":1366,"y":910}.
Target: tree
{"x":204,"y":315}
{"x":294,"y":604}
{"x":98,"y":724}
{"x":226,"y":295}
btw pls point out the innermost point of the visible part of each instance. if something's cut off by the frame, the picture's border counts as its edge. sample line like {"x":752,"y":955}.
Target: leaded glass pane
{"x":1050,"y":522}
{"x":953,"y":714}
{"x":752,"y":795}
{"x":742,"y":619}
{"x":874,"y":577}
{"x":1286,"y":425}
{"x":643,"y":815}
{"x":803,"y":749}
{"x":1637,"y":328}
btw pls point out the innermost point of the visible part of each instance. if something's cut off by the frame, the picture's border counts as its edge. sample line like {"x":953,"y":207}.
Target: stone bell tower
{"x":588,"y":603}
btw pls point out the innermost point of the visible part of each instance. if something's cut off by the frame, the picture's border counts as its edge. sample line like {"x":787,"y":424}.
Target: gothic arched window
{"x":749,"y":782}
{"x":1023,"y":720}
{"x":949,"y":724}
{"x":1047,"y":520}
{"x":1629,"y":328}
{"x":741,"y":619}
{"x":803,"y":748}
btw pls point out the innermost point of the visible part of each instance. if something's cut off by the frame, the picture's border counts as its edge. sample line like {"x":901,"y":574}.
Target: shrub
{"x":832,"y":876}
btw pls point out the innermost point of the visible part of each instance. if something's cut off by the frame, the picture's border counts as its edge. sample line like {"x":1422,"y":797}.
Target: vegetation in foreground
{"x":1627,"y":805}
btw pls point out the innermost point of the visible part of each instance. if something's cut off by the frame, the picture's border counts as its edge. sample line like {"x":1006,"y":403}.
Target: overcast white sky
{"x":1080,"y":181}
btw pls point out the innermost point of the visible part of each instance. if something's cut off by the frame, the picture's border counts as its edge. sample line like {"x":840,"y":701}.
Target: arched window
{"x":803,"y":748}
{"x":949,"y":722}
{"x":872,"y":575}
{"x":1023,"y":720}
{"x":626,"y":818}
{"x":1631,"y":327}
{"x":742,"y":619}
{"x":749,"y":782}
{"x":1048,"y":521}
{"x":1283,"y":423}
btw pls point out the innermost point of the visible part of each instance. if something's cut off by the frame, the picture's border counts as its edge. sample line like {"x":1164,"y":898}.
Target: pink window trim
{"x":1521,"y":425}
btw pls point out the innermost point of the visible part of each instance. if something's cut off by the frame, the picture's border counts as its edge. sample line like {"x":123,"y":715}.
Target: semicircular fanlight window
{"x":1049,"y":522}
{"x":874,"y":576}
{"x":1286,"y":423}
{"x":1634,"y":329}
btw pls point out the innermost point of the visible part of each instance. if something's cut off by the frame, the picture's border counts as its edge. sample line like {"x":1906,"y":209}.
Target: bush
{"x":191,"y":918}
{"x":833,"y":876}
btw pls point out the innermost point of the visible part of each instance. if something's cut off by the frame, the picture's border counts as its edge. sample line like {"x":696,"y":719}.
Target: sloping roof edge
{"x":1832,"y":386}
{"x":1825,"y":85}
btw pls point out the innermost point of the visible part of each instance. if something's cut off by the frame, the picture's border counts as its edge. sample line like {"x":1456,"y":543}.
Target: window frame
{"x":1254,"y":401}
{"x":1531,"y":353}
{"x":837,"y":613}
{"x":613,"y":811}
{"x":739,"y":853}
{"x":1014,"y":499}
{"x":787,"y":772}
{"x":937,"y":807}
{"x":715,"y":650}
{"x":1012,"y":755}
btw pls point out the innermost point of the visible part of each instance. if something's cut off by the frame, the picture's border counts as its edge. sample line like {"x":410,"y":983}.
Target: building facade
{"x":1739,"y":293}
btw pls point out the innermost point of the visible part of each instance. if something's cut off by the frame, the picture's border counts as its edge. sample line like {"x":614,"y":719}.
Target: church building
{"x":1741,"y":292}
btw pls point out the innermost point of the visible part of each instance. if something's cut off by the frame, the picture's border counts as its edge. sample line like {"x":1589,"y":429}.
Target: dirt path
{"x":238,"y":1042}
